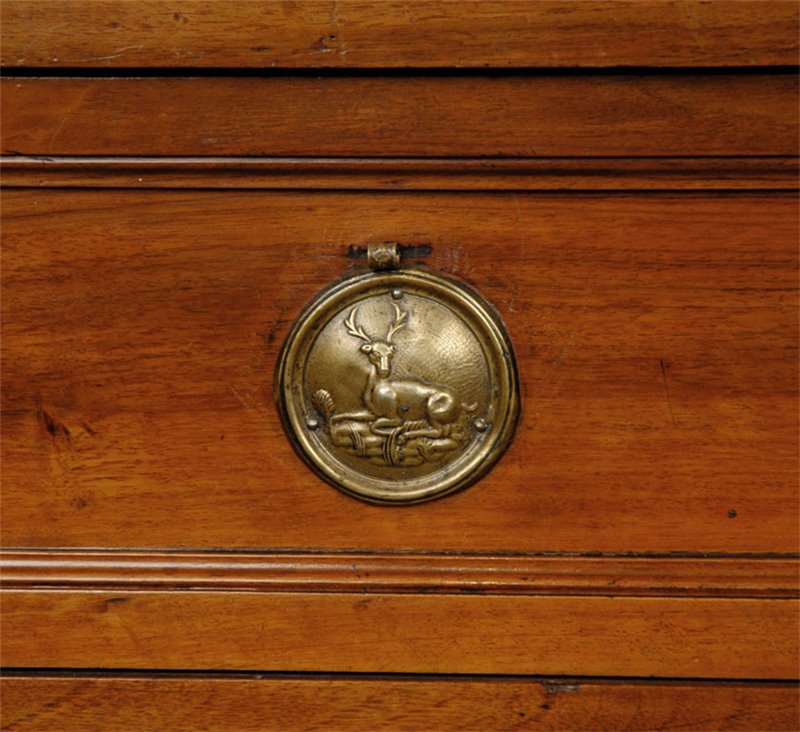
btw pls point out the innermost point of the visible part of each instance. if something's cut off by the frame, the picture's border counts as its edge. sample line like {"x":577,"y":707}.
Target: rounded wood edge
{"x":528,"y":174}
{"x":734,"y":576}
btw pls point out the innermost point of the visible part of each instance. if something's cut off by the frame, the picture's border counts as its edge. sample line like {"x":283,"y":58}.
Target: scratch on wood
{"x":552,"y":688}
{"x":58,"y":129}
{"x":34,"y":39}
{"x":340,"y":49}
{"x":239,"y":398}
{"x":575,"y":331}
{"x":520,"y":238}
{"x":249,"y":404}
{"x":664,"y":366}
{"x":521,"y":248}
{"x":67,"y":116}
{"x":114,"y":55}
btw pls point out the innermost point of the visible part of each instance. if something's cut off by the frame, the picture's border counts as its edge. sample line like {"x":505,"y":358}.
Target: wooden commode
{"x":524,"y":271}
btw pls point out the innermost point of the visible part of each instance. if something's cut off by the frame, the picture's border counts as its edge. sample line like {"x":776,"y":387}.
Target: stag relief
{"x":403,"y":421}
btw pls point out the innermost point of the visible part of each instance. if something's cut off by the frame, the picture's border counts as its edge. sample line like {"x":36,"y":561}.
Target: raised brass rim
{"x":294,"y":408}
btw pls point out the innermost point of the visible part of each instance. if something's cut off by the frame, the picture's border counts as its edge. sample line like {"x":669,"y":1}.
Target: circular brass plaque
{"x":398,"y":387}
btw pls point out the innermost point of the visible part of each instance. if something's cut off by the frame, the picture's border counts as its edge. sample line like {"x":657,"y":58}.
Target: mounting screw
{"x":480,"y":424}
{"x":312,"y":423}
{"x":397,"y":294}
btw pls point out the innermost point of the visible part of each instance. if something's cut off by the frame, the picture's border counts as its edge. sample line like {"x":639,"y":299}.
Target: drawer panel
{"x":378,"y":33}
{"x":404,"y":633}
{"x":655,"y":335}
{"x":263,"y":702}
{"x":421,"y":116}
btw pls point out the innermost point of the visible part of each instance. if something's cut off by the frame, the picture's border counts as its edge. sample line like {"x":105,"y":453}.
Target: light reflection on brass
{"x":398,"y":387}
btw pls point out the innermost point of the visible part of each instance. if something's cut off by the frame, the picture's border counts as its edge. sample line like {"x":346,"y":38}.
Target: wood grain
{"x":656,"y":337}
{"x":530,"y":116}
{"x":527,"y":174}
{"x":163,"y":223}
{"x":400,"y":633}
{"x":420,"y":573}
{"x":350,"y":33}
{"x":112,"y":703}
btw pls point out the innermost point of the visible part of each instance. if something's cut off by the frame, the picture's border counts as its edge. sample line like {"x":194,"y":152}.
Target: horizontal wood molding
{"x":517,"y":116}
{"x":530,"y":174}
{"x":404,"y":633}
{"x":140,"y":703}
{"x":406,"y":572}
{"x":364,"y":33}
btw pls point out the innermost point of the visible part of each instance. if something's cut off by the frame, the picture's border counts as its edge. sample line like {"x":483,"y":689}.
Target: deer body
{"x":397,"y":411}
{"x":394,"y":400}
{"x":409,"y":399}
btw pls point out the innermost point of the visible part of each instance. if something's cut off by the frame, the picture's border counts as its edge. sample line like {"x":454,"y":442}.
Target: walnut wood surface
{"x":81,"y":703}
{"x":348,"y":33}
{"x":402,"y":633}
{"x":656,"y":338}
{"x":420,"y":573}
{"x":532,"y":116}
{"x":706,"y":173}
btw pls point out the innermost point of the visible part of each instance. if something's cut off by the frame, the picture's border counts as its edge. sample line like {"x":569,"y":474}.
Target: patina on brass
{"x":385,"y":255}
{"x":398,"y":386}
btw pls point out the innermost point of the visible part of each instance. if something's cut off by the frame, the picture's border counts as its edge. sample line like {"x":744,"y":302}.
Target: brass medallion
{"x":398,"y":386}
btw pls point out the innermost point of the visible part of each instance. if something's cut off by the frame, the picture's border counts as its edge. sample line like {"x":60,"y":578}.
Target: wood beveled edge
{"x":352,"y":173}
{"x":733,"y":576}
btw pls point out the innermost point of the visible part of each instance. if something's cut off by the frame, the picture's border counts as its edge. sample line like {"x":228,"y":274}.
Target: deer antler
{"x":356,"y":330}
{"x":399,"y":322}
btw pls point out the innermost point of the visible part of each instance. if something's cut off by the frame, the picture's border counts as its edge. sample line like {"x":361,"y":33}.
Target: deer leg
{"x":422,"y":432}
{"x":356,"y":436}
{"x":434,"y":449}
{"x":385,"y":425}
{"x":353,"y":417}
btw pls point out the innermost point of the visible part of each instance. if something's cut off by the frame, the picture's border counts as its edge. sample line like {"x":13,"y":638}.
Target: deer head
{"x":379,"y":352}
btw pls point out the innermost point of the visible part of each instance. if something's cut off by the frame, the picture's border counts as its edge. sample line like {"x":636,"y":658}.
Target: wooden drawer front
{"x":97,"y":34}
{"x":248,"y":702}
{"x":655,"y":335}
{"x":474,"y":633}
{"x":531,"y":116}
